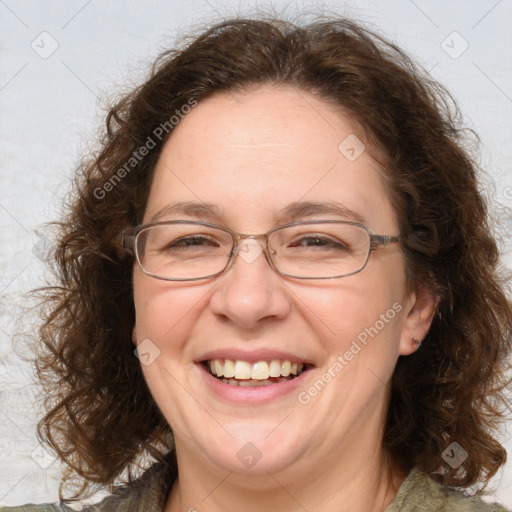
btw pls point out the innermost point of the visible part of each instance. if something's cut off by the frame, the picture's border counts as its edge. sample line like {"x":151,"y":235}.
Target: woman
{"x":283,"y":223}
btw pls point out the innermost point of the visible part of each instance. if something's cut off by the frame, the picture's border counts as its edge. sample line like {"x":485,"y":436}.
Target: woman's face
{"x":241,"y":162}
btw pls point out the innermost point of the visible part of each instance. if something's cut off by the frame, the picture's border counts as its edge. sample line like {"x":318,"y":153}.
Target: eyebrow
{"x":302,"y":209}
{"x":290,"y":213}
{"x":189,"y":208}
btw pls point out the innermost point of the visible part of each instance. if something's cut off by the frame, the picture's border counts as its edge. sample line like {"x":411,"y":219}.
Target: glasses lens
{"x":319,"y":250}
{"x":183,"y":250}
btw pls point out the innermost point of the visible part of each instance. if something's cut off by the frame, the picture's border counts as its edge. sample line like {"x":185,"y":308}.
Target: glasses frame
{"x":129,"y":243}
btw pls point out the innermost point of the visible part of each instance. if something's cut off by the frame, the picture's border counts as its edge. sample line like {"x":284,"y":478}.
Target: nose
{"x":250,"y":292}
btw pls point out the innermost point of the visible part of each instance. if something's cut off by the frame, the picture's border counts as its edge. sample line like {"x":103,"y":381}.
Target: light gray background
{"x":51,"y":106}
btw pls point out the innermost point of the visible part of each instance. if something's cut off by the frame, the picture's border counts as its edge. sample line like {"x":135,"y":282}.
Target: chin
{"x":253,"y":449}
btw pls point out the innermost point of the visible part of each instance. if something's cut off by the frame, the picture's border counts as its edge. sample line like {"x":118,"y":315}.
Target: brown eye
{"x":193,"y":241}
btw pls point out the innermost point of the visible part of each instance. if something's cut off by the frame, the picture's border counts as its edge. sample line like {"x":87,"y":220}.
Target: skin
{"x":252,"y":155}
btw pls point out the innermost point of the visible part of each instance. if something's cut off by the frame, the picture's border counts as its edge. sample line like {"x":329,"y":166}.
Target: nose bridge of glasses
{"x":249,"y":247}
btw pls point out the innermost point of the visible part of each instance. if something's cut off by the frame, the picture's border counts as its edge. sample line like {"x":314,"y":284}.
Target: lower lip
{"x":253,"y":394}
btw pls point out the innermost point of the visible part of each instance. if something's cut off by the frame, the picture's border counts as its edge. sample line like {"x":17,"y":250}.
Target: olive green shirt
{"x":418,"y":493}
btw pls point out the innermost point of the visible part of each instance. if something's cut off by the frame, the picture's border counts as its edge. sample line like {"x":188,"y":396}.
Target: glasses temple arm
{"x":127,"y":240}
{"x":384,"y":239}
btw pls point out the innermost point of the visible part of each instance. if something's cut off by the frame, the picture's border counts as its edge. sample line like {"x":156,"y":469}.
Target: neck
{"x":358,"y":477}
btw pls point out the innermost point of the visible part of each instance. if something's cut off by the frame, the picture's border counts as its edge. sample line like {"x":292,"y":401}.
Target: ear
{"x":421,"y":307}
{"x":134,"y":335}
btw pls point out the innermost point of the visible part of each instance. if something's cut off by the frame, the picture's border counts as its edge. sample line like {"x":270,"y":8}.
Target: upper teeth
{"x":260,"y":370}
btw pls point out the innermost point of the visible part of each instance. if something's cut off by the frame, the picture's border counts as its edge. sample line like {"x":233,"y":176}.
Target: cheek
{"x":365,"y":308}
{"x":349,"y":310}
{"x":166,"y":311}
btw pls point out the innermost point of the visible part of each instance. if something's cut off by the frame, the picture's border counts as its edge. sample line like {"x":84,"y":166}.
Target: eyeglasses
{"x":182,"y":250}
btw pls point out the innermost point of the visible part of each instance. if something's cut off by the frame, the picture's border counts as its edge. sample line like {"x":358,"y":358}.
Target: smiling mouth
{"x":260,"y":373}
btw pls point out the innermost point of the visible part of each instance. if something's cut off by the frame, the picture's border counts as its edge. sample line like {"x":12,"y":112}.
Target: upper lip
{"x":252,"y":356}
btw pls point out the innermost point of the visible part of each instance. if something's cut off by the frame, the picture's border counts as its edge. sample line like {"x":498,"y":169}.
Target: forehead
{"x":253,"y":154}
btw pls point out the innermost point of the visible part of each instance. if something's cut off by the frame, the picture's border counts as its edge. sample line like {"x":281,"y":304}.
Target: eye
{"x":320,"y":241}
{"x":193,"y":241}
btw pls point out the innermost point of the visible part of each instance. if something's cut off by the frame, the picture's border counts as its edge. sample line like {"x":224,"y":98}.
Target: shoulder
{"x":148,"y":493}
{"x":419,"y":493}
{"x":37,"y":508}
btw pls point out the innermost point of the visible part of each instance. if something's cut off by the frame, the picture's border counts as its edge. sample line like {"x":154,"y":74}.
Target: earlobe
{"x":134,"y":335}
{"x":421,"y":310}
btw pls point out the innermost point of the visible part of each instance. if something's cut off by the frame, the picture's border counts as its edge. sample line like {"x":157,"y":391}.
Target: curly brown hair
{"x":101,"y":416}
